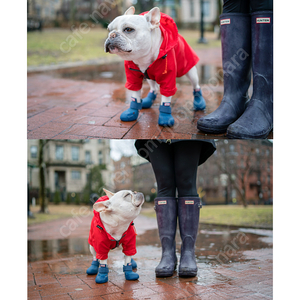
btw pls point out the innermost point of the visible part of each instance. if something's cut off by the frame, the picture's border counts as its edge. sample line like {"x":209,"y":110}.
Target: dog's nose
{"x":112,"y":35}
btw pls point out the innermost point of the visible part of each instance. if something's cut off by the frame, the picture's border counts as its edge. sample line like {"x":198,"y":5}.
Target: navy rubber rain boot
{"x":199,"y":102}
{"x":93,"y":269}
{"x":129,"y":274}
{"x":148,"y":101}
{"x":257,"y":120}
{"x":188,"y":218}
{"x":132,"y":113}
{"x":102,"y":276}
{"x":165,"y":118}
{"x":236,"y":60}
{"x":166,"y":215}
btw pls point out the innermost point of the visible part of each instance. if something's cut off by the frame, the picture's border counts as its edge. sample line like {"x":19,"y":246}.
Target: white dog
{"x":152,"y":49}
{"x":112,"y":225}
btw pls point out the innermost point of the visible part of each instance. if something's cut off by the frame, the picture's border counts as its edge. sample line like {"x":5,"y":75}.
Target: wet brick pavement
{"x":61,"y":273}
{"x":60,"y":108}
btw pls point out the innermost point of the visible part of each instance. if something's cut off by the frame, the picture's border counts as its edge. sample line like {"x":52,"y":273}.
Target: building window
{"x":206,"y":8}
{"x":33,"y":151}
{"x":59,"y":152}
{"x":76,"y":175}
{"x":100,"y":157}
{"x":99,"y":141}
{"x":88,"y":157}
{"x":75,"y":153}
{"x":192,"y":9}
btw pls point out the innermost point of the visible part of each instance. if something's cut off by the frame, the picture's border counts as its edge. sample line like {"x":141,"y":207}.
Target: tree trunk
{"x":43,"y":202}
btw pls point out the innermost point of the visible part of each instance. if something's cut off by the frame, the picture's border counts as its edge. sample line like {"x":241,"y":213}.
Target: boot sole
{"x":212,"y":130}
{"x":237,"y":136}
{"x":187,"y":273}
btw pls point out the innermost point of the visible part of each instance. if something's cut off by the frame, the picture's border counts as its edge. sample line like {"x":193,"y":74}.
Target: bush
{"x":57,"y":197}
{"x":69,"y":198}
{"x":77,"y":199}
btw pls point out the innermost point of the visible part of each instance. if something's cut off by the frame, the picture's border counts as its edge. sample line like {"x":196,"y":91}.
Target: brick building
{"x":68,"y":163}
{"x":238,"y":169}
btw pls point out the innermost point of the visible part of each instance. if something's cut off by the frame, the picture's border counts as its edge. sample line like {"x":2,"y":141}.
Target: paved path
{"x":61,"y":108}
{"x":64,"y":277}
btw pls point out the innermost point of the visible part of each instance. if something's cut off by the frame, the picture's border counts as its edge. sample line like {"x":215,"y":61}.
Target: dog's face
{"x":125,"y":204}
{"x":130,"y":35}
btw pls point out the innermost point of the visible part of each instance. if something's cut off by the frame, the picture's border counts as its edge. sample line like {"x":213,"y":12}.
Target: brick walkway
{"x":65,"y":277}
{"x":76,"y":109}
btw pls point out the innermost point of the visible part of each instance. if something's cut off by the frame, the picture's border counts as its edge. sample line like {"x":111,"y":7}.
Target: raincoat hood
{"x":169,"y":32}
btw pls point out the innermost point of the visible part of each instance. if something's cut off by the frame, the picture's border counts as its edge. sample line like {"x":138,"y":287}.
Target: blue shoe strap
{"x":152,"y":95}
{"x":103,"y":270}
{"x":197,"y":93}
{"x":127,"y":268}
{"x":165,"y":109}
{"x":135,"y":105}
{"x":95,"y":263}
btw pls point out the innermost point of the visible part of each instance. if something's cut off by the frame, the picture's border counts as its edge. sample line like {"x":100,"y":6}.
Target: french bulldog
{"x":153,"y":49}
{"x":111,"y":226}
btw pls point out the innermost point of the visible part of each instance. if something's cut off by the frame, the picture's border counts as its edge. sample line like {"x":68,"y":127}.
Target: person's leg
{"x":161,"y":157}
{"x":259,"y":5}
{"x":257,"y":120}
{"x":236,"y":6}
{"x":235,"y":26}
{"x":162,"y":160}
{"x":187,"y":156}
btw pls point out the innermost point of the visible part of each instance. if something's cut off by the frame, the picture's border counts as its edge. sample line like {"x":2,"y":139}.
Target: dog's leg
{"x":132,"y":113}
{"x":103,"y":261}
{"x":93,"y":269}
{"x":127,"y":260}
{"x":148,"y":101}
{"x":199,"y":102}
{"x":192,"y":75}
{"x":153,"y":86}
{"x":93,"y":252}
{"x":165,"y":118}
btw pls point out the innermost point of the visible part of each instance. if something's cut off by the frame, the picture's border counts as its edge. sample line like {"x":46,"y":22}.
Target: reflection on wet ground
{"x":215,"y":244}
{"x":114,"y":72}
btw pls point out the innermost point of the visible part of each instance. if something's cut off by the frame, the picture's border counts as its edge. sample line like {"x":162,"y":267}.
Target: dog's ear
{"x":153,"y":17}
{"x":102,"y":206}
{"x":130,"y":11}
{"x":108,"y":193}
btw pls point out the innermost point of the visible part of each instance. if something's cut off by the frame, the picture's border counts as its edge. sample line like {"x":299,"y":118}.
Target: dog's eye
{"x":128,"y":29}
{"x":128,"y":194}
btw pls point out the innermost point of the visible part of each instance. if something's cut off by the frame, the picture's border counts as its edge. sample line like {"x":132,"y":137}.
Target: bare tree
{"x":237,"y":172}
{"x":42,"y":189}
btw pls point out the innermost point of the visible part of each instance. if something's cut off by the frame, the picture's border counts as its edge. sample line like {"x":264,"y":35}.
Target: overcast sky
{"x":122,"y":147}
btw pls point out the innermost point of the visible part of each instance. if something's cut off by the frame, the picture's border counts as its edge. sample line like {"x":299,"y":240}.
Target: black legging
{"x":243,"y":6}
{"x":175,"y":166}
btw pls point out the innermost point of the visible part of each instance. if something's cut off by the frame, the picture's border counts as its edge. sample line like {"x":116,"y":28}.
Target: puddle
{"x":215,"y":244}
{"x":114,"y":72}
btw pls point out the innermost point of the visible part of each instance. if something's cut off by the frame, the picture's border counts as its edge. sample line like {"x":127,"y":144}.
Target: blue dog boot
{"x":129,"y":275}
{"x":199,"y":102}
{"x":148,"y":101}
{"x":132,"y":113}
{"x":102,"y":274}
{"x":133,"y":263}
{"x":93,"y":269}
{"x":165,"y":118}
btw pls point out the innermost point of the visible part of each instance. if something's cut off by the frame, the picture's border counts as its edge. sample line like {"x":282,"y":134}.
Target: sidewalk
{"x":61,"y":273}
{"x":59,"y":108}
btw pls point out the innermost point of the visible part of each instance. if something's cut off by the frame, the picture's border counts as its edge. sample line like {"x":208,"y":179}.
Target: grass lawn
{"x":43,"y":48}
{"x":56,"y":212}
{"x":256,"y":216}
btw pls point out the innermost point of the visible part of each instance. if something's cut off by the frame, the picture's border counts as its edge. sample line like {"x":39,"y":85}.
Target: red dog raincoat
{"x":102,"y":241}
{"x":175,"y":59}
